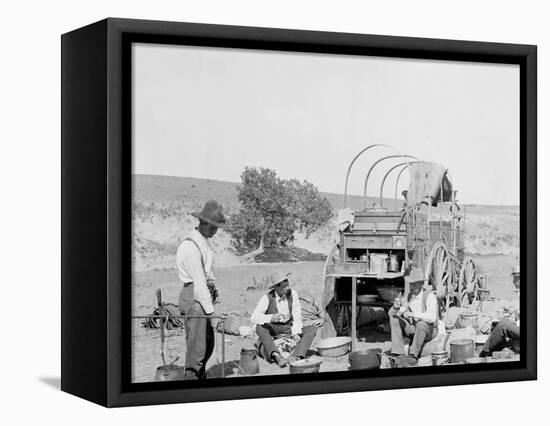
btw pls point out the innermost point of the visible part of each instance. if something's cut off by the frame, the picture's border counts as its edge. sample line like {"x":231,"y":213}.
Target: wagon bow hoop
{"x":355,"y":159}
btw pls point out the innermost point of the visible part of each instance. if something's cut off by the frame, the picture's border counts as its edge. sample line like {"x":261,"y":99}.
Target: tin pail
{"x":378,"y":263}
{"x":249,"y":362}
{"x":440,"y":358}
{"x":468,"y":319}
{"x":461,"y":350}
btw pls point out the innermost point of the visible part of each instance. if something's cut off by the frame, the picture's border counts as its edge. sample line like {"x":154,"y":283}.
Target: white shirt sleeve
{"x":189,"y":256}
{"x":259,"y":316}
{"x":431,"y":310}
{"x":297,"y":324}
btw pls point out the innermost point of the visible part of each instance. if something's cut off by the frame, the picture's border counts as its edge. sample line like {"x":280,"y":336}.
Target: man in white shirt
{"x":417,"y":318}
{"x":194,"y":260}
{"x":279,"y":313}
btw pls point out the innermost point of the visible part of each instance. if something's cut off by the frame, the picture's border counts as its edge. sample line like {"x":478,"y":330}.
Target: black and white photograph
{"x":312,"y":213}
{"x":308,"y":213}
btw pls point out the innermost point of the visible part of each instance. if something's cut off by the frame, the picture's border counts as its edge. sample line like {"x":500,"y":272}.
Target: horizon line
{"x":320,"y":190}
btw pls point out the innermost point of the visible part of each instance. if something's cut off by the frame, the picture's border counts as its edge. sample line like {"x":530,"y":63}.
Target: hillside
{"x":162,"y":207}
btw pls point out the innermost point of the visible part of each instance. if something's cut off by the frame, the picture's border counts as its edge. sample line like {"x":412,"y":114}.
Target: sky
{"x":210,"y":112}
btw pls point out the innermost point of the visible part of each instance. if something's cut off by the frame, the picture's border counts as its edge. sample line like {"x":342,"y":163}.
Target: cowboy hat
{"x":277,"y":278}
{"x":212,"y":213}
{"x":415,"y":275}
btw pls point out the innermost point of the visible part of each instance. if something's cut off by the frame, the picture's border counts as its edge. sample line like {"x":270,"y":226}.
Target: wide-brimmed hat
{"x":515,"y":271}
{"x":415,"y":275}
{"x":277,"y":278}
{"x":212,"y":212}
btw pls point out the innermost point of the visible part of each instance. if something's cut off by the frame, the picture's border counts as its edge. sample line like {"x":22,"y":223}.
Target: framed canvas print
{"x":255,"y":212}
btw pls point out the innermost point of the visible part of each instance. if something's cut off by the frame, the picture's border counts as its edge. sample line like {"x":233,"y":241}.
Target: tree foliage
{"x":273,"y":209}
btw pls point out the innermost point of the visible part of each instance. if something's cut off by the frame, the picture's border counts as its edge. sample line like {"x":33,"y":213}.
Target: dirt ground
{"x":233,"y":283}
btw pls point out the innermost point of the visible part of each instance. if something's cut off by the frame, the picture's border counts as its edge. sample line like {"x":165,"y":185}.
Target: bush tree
{"x":273,"y":209}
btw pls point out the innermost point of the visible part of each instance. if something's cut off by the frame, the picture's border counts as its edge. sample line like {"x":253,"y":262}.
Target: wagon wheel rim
{"x":439,"y":272}
{"x":468,"y":278}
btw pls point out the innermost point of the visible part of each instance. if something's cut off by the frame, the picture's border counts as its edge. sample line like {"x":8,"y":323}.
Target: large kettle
{"x":367,"y":359}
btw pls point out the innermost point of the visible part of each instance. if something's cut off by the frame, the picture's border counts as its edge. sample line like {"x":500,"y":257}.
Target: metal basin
{"x":304,"y":366}
{"x":334,"y":346}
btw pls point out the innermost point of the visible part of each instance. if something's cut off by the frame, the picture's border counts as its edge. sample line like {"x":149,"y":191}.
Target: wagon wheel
{"x":439,"y":273}
{"x":467,"y":282}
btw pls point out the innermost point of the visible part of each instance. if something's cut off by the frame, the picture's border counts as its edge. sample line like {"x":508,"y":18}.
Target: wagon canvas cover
{"x":426,"y":181}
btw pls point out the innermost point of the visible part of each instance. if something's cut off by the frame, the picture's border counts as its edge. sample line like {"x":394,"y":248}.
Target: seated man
{"x":505,"y":333}
{"x":417,"y":318}
{"x":278,"y":314}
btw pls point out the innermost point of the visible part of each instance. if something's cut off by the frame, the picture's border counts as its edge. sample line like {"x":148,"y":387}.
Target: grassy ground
{"x":232,"y":284}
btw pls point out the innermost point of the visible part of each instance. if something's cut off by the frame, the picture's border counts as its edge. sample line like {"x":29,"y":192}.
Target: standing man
{"x":417,"y":318}
{"x":277,"y":314}
{"x":194,"y":260}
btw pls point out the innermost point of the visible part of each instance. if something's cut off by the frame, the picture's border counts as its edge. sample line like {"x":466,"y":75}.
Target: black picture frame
{"x":96,"y":210}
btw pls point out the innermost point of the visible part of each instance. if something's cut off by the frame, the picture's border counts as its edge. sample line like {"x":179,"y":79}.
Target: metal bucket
{"x":484,"y":295}
{"x":468,"y":319}
{"x":249,"y":362}
{"x":440,"y":358}
{"x":378,"y":263}
{"x":169,"y":372}
{"x":461,"y":350}
{"x":368,"y":359}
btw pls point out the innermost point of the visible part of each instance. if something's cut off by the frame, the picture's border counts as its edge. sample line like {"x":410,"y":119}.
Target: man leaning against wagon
{"x":194,"y":260}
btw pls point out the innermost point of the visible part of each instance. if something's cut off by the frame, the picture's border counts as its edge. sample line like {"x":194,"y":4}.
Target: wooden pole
{"x":353,"y":313}
{"x":161,"y":321}
{"x":223,"y":347}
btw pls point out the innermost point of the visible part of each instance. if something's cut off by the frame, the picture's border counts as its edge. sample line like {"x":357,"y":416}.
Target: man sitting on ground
{"x":417,"y":318}
{"x":279,"y":314}
{"x":505,"y":333}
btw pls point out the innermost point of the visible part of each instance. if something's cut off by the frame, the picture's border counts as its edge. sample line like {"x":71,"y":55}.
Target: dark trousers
{"x":421,"y":333}
{"x":199,"y":339}
{"x":266,"y":332}
{"x":504,"y":335}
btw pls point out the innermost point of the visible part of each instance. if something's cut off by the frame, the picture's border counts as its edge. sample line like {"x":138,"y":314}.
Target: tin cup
{"x":440,"y":358}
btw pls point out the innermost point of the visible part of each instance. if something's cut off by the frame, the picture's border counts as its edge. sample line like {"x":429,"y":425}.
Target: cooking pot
{"x":368,"y":359}
{"x":169,"y":372}
{"x":249,"y":361}
{"x":402,"y":361}
{"x":461,"y":350}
